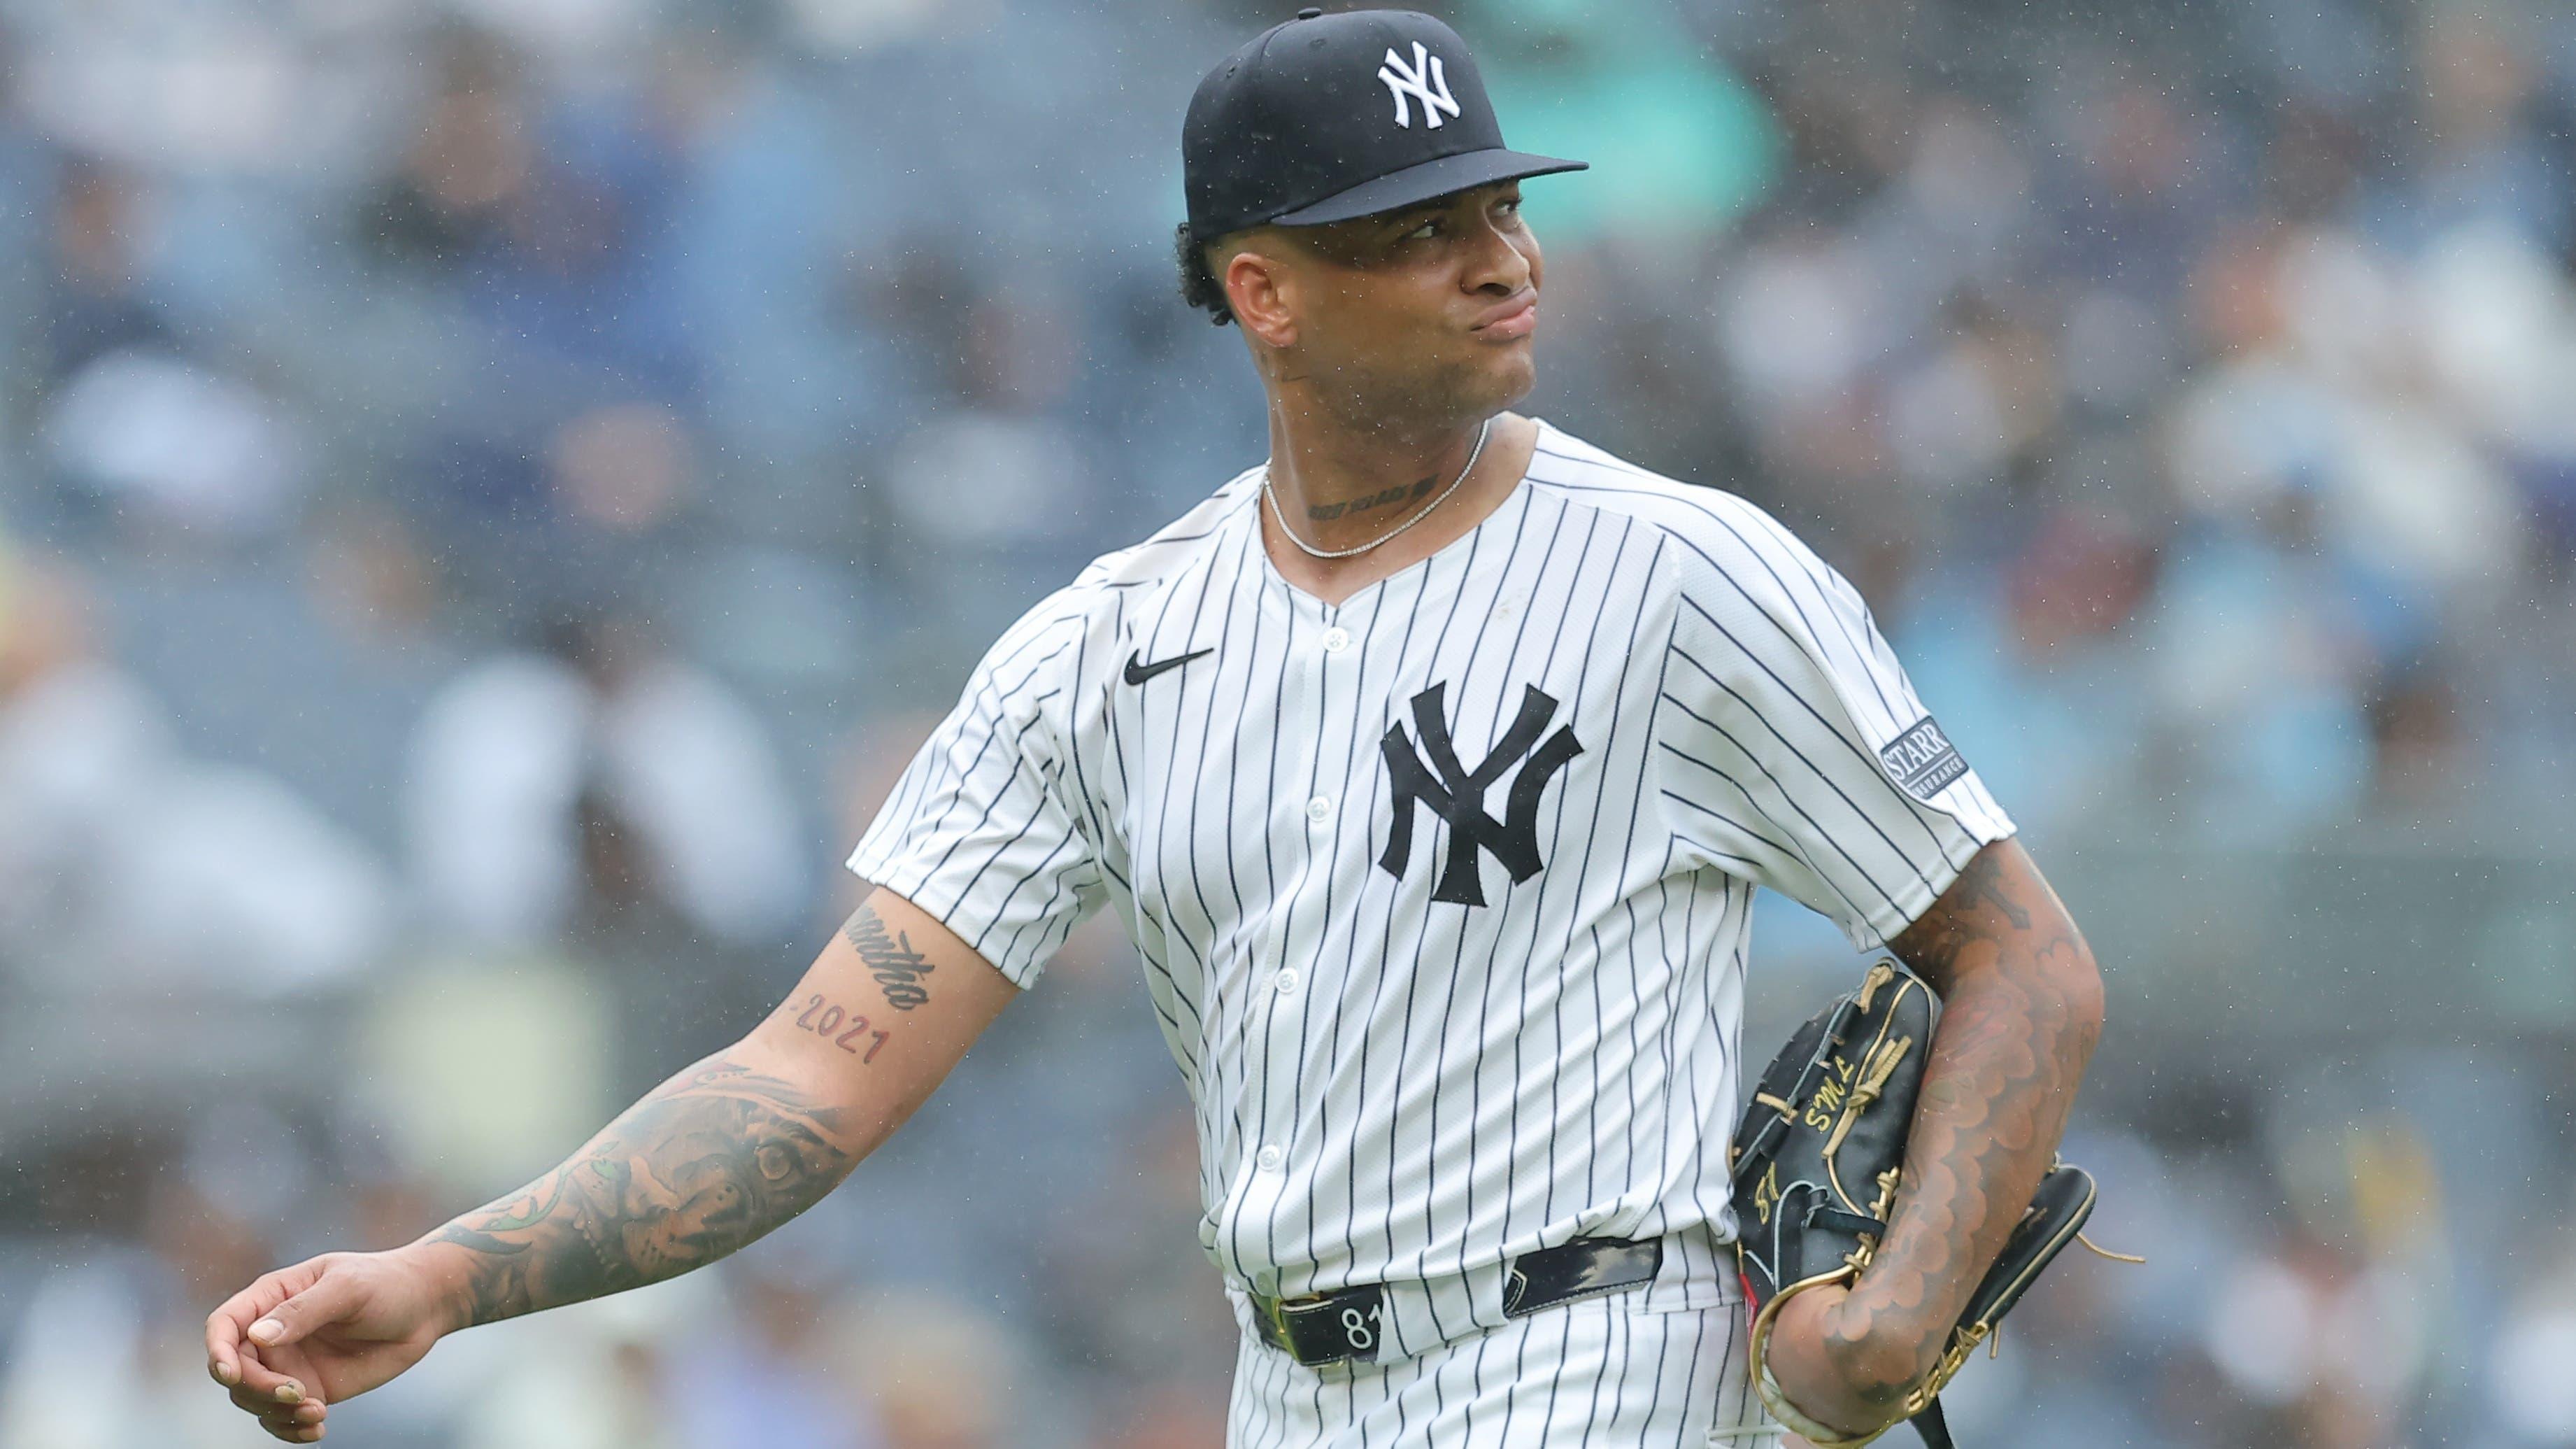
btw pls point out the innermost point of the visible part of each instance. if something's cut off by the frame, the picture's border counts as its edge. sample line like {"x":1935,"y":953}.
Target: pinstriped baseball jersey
{"x":1442,"y":892}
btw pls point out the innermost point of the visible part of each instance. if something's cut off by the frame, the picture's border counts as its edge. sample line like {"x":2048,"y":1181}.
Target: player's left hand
{"x":1824,"y":1371}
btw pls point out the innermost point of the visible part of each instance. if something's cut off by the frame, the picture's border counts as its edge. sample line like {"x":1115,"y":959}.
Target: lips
{"x":1515,"y":320}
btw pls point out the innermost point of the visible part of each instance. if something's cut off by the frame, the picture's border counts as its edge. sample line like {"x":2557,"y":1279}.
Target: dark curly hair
{"x":1199,"y":286}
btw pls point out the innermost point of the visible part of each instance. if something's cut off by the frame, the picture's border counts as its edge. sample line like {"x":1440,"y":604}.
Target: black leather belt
{"x":1324,"y":1328}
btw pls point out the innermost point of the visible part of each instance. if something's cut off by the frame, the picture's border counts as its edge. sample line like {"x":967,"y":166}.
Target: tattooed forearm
{"x":709,"y":1161}
{"x":2020,"y":1014}
{"x":889,"y":957}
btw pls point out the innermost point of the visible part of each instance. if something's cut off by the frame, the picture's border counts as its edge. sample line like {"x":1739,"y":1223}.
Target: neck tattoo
{"x":1327,"y":512}
{"x":1378,"y":500}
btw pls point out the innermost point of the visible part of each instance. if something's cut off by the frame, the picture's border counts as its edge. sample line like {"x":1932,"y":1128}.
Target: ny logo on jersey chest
{"x":1457,"y":794}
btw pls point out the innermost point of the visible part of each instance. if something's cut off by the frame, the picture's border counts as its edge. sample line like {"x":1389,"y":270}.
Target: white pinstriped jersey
{"x":1442,"y":891}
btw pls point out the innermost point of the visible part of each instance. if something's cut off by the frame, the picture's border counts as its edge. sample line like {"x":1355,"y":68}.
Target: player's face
{"x":1429,"y":311}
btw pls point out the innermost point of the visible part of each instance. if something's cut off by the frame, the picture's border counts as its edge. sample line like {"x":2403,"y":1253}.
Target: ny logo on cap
{"x":1424,"y":80}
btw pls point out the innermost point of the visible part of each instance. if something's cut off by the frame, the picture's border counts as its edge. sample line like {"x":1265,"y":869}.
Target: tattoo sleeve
{"x":707,"y":1162}
{"x":2021,"y":1012}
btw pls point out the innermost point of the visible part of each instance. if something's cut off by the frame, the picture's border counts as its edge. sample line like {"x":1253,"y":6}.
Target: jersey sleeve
{"x":979,"y":831}
{"x":1792,"y":748}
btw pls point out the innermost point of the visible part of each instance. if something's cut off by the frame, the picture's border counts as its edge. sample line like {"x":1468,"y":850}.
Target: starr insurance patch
{"x":1923,"y":760}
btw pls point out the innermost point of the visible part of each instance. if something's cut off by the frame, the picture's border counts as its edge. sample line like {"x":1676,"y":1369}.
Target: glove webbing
{"x":1824,"y":1216}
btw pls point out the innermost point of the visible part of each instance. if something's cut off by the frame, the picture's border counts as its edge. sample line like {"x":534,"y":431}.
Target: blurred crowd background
{"x":490,"y":492}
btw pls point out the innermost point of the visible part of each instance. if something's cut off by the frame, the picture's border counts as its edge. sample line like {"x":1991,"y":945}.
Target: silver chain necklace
{"x":1388,"y":536}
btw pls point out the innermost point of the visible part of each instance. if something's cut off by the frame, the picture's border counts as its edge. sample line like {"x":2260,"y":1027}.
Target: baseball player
{"x":1431,"y":767}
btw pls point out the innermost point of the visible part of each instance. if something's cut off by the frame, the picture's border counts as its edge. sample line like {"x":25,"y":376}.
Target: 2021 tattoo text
{"x":709,"y":1161}
{"x":2003,"y":1070}
{"x":843,"y":1029}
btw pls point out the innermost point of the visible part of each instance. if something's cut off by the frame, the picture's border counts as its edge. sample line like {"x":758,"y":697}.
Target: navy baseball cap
{"x":1328,"y":117}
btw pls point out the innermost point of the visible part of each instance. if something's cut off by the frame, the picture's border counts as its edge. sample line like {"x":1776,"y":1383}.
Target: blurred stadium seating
{"x":479,"y":529}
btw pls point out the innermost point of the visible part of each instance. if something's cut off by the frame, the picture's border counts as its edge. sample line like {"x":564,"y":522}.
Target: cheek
{"x":1371,"y":320}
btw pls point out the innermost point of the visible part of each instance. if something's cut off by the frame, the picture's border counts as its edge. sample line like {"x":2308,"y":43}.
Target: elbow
{"x":2075,"y":979}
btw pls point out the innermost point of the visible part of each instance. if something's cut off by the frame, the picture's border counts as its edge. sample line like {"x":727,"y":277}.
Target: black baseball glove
{"x":1817,"y":1164}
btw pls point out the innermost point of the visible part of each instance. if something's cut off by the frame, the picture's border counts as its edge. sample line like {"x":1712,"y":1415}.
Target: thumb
{"x":332,"y":1297}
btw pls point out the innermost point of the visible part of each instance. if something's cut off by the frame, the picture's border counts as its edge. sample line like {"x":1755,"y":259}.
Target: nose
{"x":1499,"y":267}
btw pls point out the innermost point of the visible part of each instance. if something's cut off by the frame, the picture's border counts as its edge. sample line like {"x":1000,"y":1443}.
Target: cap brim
{"x":1437,"y":177}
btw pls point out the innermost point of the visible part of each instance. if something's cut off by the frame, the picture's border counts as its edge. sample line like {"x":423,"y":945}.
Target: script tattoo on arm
{"x":705,"y":1163}
{"x":2021,"y":1012}
{"x":889,"y":957}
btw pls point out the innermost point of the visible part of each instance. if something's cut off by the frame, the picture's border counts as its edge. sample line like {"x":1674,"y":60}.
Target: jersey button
{"x":1319,"y":809}
{"x":1269,"y":1158}
{"x":1336,"y":640}
{"x":1286,"y":980}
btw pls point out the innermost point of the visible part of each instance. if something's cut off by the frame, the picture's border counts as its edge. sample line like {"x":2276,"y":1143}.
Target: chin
{"x":1472,"y":387}
{"x":1509,"y":380}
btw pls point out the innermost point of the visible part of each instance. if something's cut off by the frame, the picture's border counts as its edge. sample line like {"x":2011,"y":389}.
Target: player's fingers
{"x":330,"y":1298}
{"x":302,"y":1416}
{"x":276,"y":1416}
{"x":263,"y":1388}
{"x":268,"y":1406}
{"x":292,"y":1433}
{"x":223,"y":1358}
{"x":224,"y":1326}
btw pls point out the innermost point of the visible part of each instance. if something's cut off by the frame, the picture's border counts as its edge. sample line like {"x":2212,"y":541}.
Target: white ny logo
{"x":1424,"y":80}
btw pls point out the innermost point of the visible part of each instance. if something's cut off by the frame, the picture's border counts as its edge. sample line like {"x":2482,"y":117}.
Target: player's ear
{"x":1260,"y":288}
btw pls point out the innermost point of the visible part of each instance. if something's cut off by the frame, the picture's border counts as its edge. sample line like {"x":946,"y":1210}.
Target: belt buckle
{"x":1355,"y":1332}
{"x":1274,"y":1312}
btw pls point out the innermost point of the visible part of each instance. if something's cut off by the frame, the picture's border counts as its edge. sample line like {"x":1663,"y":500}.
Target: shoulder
{"x":1071,"y":631}
{"x":1715,"y":539}
{"x":1720,"y":527}
{"x":1178,"y":545}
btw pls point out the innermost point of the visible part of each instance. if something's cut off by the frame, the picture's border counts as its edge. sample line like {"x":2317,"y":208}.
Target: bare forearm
{"x":2021,"y":1012}
{"x":709,"y":1161}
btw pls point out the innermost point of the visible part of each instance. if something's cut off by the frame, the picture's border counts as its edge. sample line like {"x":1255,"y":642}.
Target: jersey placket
{"x":1317,"y":702}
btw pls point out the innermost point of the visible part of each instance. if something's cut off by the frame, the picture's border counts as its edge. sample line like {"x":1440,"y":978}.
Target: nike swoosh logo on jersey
{"x":1138,"y":671}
